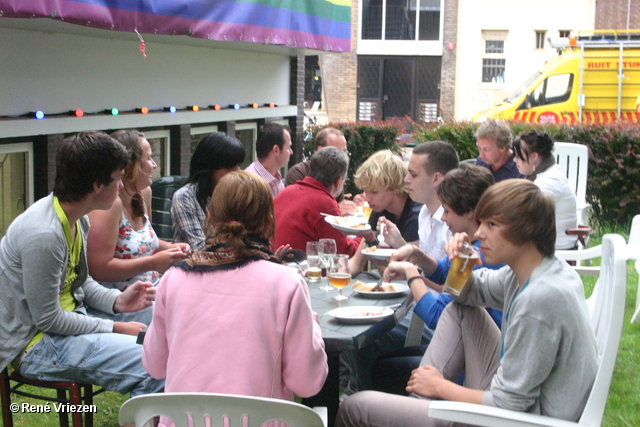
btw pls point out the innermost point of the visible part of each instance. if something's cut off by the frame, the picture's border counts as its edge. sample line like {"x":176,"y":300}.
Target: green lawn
{"x":623,"y":405}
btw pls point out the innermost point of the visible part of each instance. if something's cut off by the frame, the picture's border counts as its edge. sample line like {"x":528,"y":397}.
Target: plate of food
{"x":360,"y":314}
{"x":377,"y":252}
{"x":387,"y":290}
{"x":348,"y":224}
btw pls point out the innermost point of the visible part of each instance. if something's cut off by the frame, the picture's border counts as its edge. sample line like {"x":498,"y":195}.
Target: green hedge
{"x":613,"y":183}
{"x":364,"y":139}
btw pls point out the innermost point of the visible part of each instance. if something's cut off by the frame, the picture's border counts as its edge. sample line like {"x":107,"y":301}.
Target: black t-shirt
{"x":407,"y":223}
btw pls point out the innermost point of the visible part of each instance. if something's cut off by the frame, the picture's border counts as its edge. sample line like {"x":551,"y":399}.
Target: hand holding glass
{"x":339,"y":275}
{"x":461,"y":267}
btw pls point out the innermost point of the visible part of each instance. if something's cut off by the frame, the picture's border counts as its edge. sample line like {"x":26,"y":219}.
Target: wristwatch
{"x":374,"y":243}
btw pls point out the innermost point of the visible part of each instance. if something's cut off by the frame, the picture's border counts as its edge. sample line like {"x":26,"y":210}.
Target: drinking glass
{"x":314,"y":272}
{"x":366,"y":210}
{"x":339,"y":275}
{"x":326,"y":250}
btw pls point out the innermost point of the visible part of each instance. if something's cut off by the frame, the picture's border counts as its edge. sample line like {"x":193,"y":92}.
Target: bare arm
{"x":103,"y":236}
{"x":428,"y":381}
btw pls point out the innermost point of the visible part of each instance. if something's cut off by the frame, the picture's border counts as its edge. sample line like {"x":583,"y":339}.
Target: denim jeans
{"x":109,"y":360}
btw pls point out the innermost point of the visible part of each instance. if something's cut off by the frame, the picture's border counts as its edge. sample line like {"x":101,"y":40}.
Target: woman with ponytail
{"x":216,"y":155}
{"x":231,"y":318}
{"x":122,"y":247}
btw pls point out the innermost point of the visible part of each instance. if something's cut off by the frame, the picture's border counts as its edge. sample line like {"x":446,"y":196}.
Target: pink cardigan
{"x":247,"y":331}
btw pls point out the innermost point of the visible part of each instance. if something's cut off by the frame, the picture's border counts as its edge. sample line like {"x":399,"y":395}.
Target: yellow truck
{"x":595,"y":79}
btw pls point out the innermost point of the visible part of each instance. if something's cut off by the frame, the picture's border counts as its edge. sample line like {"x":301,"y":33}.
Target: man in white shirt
{"x":429,"y":163}
{"x":273,"y":149}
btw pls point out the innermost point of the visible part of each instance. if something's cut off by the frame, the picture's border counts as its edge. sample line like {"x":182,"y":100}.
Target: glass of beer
{"x":366,"y":210}
{"x":314,"y":272}
{"x":460,"y":270}
{"x":339,"y":275}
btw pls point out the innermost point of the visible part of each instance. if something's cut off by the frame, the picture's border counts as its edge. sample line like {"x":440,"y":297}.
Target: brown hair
{"x":461,"y":188}
{"x":241,"y":204}
{"x":131,"y":140}
{"x":527,"y":213}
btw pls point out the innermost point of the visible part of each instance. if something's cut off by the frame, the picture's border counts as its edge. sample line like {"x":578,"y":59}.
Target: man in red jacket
{"x":299,"y":206}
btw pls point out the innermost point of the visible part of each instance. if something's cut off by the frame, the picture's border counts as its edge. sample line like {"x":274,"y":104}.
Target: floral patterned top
{"x":132,"y":244}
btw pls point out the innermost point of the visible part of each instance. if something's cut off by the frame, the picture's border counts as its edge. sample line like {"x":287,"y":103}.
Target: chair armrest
{"x":580,"y":254}
{"x":582,"y":231}
{"x":491,"y":416}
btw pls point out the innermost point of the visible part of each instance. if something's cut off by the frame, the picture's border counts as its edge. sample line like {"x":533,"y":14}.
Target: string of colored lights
{"x":39,"y":114}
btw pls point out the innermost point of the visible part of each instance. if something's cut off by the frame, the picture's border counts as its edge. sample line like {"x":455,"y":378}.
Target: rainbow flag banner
{"x":305,"y":24}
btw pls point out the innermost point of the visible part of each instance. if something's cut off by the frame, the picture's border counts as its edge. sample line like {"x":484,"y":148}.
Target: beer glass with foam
{"x":314,"y":272}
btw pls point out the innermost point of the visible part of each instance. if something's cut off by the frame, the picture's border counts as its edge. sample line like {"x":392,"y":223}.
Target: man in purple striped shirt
{"x":273,"y":149}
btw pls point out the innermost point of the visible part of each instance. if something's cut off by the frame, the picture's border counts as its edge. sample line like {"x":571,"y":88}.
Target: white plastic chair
{"x":574,"y":161}
{"x":211,"y":409}
{"x":581,"y":255}
{"x":607,"y":316}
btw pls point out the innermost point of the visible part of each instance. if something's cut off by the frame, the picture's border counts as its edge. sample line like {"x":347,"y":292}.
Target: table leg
{"x":329,"y":396}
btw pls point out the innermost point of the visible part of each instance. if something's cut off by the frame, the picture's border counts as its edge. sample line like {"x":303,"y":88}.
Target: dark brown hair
{"x":461,"y":188}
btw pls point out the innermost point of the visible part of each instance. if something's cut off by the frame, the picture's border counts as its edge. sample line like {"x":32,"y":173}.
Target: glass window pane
{"x":493,"y":70}
{"x":399,"y":24}
{"x":248,"y":138}
{"x":158,"y":150}
{"x":13,"y":187}
{"x":494,"y":46}
{"x":372,"y":19}
{"x":429,"y":20}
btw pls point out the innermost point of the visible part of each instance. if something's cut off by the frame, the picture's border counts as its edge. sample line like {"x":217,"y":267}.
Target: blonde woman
{"x":122,"y":246}
{"x":210,"y":331}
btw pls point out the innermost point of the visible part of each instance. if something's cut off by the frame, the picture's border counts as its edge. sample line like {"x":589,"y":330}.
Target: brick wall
{"x":340,"y":77}
{"x":448,"y":76}
{"x":614,"y":14}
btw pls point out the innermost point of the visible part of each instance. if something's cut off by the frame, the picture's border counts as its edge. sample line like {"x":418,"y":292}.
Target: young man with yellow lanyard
{"x":45,"y":332}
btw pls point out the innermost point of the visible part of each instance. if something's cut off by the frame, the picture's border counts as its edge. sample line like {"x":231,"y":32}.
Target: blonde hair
{"x":241,"y":204}
{"x":384,"y":170}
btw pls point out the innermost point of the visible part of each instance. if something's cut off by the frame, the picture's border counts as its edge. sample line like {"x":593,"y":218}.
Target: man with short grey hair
{"x":299,"y":207}
{"x":494,"y":140}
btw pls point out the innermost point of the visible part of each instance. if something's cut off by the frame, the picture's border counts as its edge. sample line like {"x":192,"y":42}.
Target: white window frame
{"x":540,"y":34}
{"x":23,"y":147}
{"x":400,"y":47}
{"x":250,"y":126}
{"x":166,"y":135}
{"x":498,"y":35}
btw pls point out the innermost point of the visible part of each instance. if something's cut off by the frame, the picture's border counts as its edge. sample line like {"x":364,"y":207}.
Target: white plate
{"x":347,"y":229}
{"x":380,"y":253}
{"x":401,"y":289}
{"x":360,"y":314}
